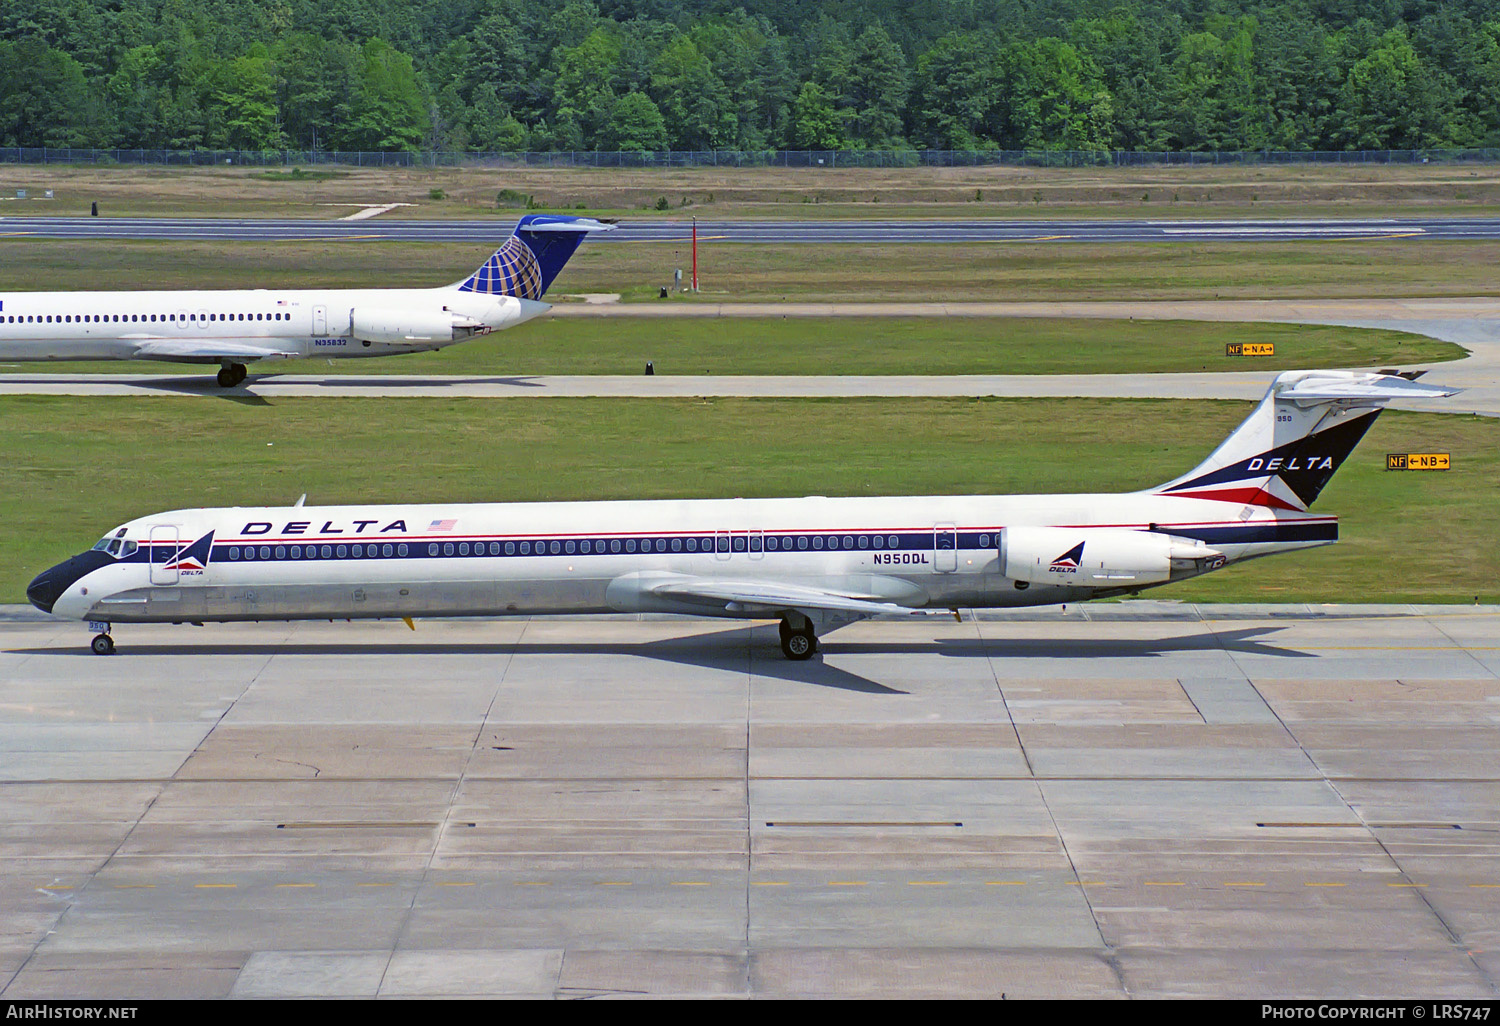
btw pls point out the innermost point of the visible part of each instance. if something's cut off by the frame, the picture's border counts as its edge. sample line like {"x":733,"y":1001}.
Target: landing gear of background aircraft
{"x":103,"y":644}
{"x":232,"y":374}
{"x":798,"y":643}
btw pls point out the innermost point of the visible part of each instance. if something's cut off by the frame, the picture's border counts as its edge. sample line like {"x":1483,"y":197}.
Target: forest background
{"x":487,"y":75}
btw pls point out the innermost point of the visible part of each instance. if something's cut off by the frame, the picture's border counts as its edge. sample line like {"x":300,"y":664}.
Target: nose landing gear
{"x":232,"y":374}
{"x":103,"y":644}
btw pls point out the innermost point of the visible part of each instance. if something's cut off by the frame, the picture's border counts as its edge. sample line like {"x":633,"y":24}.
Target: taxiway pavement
{"x":1473,"y":323}
{"x":1140,"y":799}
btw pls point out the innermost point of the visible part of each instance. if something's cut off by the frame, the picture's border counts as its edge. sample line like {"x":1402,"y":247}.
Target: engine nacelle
{"x":1099,"y":557}
{"x":412,"y":327}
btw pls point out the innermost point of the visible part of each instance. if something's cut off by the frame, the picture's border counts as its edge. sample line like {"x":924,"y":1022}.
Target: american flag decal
{"x":441,"y":525}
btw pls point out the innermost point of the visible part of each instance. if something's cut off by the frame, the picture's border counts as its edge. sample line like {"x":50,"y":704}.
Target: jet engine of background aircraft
{"x":436,"y":326}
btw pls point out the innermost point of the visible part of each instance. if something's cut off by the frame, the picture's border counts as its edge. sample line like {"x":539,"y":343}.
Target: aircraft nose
{"x":47,"y":587}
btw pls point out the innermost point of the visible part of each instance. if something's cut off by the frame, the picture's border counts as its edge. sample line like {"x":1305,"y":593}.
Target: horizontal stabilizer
{"x":1359,"y":389}
{"x":570,"y":224}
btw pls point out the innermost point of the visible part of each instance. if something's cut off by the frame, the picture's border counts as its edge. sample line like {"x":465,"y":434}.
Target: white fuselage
{"x":497,"y":559}
{"x":186,"y":327}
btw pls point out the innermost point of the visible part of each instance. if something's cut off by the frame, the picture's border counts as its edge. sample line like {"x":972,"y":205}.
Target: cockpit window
{"x":115,"y":544}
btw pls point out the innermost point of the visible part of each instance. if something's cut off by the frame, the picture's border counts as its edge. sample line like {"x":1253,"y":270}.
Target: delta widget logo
{"x":1068,"y":562}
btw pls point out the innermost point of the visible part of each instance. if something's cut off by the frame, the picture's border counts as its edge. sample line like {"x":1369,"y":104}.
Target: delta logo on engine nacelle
{"x":1068,"y":562}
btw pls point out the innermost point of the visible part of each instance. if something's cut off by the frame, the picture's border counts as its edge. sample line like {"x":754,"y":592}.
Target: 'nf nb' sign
{"x":1418,"y":461}
{"x":1250,"y":349}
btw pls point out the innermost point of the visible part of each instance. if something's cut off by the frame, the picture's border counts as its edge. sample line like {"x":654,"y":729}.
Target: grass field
{"x":806,"y":273}
{"x":768,"y":192}
{"x":862,"y":345}
{"x":77,"y":467}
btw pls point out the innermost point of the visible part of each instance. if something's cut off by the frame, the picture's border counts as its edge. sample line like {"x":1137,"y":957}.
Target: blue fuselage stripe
{"x":703,"y":543}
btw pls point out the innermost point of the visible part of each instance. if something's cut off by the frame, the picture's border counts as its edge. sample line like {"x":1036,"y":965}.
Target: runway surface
{"x":1471,"y":323}
{"x":766,"y":232}
{"x":1143,"y":799}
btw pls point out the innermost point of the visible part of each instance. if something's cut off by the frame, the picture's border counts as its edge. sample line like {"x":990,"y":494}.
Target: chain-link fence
{"x":736,"y":158}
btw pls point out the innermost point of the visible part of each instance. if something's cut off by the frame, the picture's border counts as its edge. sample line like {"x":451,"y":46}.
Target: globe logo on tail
{"x":513,"y":270}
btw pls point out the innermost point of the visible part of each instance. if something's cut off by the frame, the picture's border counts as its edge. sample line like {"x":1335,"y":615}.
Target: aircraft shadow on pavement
{"x":204,"y":384}
{"x":747,"y":650}
{"x":733,"y":651}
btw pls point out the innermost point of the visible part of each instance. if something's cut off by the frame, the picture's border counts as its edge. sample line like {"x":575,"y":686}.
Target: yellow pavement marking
{"x":770,"y":883}
{"x":848,"y":883}
{"x":614,"y":883}
{"x":14,"y":235}
{"x":325,"y":238}
{"x":1484,"y":885}
{"x":532,"y":883}
{"x":1402,"y":648}
{"x":685,"y":238}
{"x":1244,"y":883}
{"x":296,"y":885}
{"x":133,"y":887}
{"x":375,"y":885}
{"x":455,"y":883}
{"x":1037,"y":238}
{"x":689,"y":883}
{"x":1310,"y":884}
{"x":927,"y":883}
{"x":1005,"y":883}
{"x":1165,"y":883}
{"x":215,"y":886}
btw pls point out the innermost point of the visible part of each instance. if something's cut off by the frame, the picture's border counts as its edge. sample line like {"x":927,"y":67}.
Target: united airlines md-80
{"x":813,"y":563}
{"x":234,"y":328}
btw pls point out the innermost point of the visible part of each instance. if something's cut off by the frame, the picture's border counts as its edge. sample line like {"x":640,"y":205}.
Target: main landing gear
{"x":232,"y":374}
{"x":798,"y":643}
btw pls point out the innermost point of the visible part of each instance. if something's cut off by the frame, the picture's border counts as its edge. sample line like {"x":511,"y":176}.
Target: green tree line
{"x":749,"y":75}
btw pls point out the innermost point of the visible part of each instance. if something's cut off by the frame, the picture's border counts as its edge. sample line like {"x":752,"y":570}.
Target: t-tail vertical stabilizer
{"x":1302,"y":431}
{"x":525,"y":266}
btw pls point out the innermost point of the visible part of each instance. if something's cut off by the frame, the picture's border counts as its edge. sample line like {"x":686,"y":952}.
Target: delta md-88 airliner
{"x":813,"y":563}
{"x":233,"y":328}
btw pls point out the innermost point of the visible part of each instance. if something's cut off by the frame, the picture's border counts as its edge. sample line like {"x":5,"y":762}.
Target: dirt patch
{"x":766,"y":192}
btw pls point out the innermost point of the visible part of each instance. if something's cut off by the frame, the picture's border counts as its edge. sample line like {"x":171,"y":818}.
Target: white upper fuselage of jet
{"x":734,"y":557}
{"x":236,"y":326}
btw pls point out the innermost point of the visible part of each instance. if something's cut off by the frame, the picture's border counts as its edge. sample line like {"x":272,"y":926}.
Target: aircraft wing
{"x":773,"y":596}
{"x":192,"y":350}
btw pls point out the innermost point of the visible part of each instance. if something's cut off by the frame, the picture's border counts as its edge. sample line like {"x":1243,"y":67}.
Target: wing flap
{"x":212,"y":349}
{"x":745,"y":596}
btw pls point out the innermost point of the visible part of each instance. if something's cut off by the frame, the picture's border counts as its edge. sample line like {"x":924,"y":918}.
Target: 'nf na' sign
{"x":1250,"y":349}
